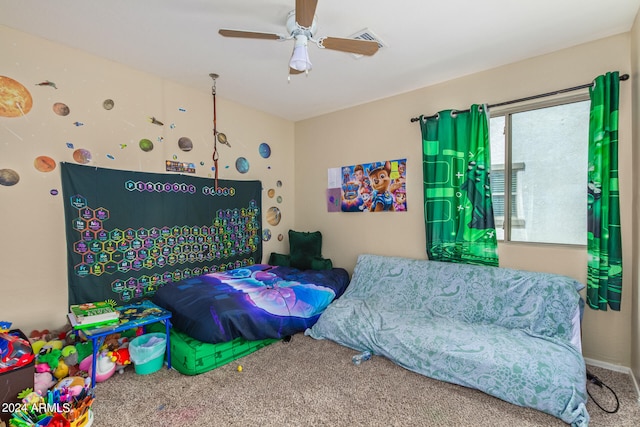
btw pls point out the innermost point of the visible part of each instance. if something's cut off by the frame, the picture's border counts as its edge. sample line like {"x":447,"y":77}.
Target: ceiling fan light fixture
{"x":300,"y":57}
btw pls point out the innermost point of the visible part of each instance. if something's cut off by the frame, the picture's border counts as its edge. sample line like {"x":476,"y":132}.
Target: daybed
{"x":509,"y":333}
{"x":221,"y":316}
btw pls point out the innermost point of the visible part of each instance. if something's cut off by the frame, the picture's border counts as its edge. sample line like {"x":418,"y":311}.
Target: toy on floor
{"x":105,"y":367}
{"x":43,"y":381}
{"x":121,"y":357}
{"x":72,"y":385}
{"x":14,"y":352}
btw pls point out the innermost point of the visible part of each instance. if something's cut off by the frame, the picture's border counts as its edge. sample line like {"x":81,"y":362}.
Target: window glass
{"x":547,"y":148}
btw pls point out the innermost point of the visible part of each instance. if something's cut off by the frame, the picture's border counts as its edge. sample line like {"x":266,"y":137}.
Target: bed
{"x":257,"y":302}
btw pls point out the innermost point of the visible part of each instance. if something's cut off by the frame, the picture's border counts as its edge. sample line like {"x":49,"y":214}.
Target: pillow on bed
{"x":318,"y":263}
{"x":281,"y":260}
{"x":304,"y":247}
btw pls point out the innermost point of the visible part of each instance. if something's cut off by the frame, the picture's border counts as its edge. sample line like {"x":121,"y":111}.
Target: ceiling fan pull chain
{"x":215,"y":155}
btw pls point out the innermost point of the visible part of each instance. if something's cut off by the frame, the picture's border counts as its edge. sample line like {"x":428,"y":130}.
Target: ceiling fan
{"x":301,"y":26}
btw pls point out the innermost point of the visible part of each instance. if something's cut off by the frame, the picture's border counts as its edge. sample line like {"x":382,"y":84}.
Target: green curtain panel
{"x":458,"y":210}
{"x":604,"y":274}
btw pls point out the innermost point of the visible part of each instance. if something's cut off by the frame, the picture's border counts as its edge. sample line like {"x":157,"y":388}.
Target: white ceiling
{"x":426,"y":41}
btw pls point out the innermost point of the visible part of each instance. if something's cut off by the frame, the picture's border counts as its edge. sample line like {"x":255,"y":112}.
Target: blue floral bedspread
{"x":505,"y":332}
{"x":255,"y":302}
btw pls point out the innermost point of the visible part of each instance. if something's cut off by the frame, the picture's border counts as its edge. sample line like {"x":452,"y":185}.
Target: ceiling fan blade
{"x":294,"y":71}
{"x":250,"y":35}
{"x":305,"y":11}
{"x":361,"y":47}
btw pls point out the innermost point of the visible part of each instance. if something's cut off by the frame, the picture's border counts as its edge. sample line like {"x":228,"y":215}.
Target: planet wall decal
{"x":264,"y":150}
{"x":108,"y":104}
{"x":266,"y":234}
{"x":44,"y":163}
{"x":82,"y":156}
{"x":185,"y":144}
{"x":15,"y":99}
{"x":271,"y":193}
{"x":146,"y":144}
{"x":274,"y":215}
{"x":61,"y":109}
{"x":242,"y":165}
{"x":9,"y":177}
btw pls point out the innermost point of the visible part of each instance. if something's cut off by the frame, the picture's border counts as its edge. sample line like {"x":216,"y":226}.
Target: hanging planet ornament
{"x":264,"y":150}
{"x":222,"y":139}
{"x":242,"y":165}
{"x":146,"y":144}
{"x":9,"y":177}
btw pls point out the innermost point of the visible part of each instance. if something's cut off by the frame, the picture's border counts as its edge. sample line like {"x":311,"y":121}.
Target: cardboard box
{"x":13,"y":382}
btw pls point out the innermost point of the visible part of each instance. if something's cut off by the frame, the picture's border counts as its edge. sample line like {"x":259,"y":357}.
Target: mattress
{"x":254,"y":303}
{"x":192,"y":357}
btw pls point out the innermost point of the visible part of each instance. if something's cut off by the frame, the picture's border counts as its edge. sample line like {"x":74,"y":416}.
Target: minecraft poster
{"x":374,"y":187}
{"x":129,"y":233}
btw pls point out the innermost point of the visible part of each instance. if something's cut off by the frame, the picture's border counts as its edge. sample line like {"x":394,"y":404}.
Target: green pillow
{"x":304,"y":247}
{"x":321,"y":264}
{"x":279,"y":259}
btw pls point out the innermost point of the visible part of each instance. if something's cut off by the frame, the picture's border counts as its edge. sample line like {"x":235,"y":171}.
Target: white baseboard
{"x":616,"y":368}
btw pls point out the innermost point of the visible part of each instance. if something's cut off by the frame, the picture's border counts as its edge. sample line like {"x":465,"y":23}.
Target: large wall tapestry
{"x":129,"y":233}
{"x":374,"y":187}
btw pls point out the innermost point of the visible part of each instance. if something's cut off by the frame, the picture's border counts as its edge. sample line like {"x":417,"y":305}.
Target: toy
{"x":73,"y":385}
{"x":70,"y":355}
{"x":105,"y":367}
{"x":14,"y":352}
{"x":62,"y":370}
{"x":111,"y":342}
{"x":50,"y":358}
{"x":42,"y":382}
{"x":121,"y":357}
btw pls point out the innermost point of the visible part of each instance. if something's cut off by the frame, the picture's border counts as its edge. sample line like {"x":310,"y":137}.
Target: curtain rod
{"x":529,"y":98}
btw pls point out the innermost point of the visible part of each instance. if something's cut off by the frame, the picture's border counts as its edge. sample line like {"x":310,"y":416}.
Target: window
{"x":542,"y":150}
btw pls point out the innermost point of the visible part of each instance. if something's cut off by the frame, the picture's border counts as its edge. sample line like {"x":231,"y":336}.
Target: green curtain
{"x":604,"y":271}
{"x":457,"y":196}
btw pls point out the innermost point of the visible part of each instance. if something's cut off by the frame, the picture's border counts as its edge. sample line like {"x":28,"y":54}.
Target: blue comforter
{"x":255,"y":302}
{"x":506,"y":332}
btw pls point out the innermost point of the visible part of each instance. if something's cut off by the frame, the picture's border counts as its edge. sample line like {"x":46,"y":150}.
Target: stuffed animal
{"x":42,"y":382}
{"x":105,"y":367}
{"x":61,"y":371}
{"x":70,"y":355}
{"x":73,"y":385}
{"x":121,"y":357}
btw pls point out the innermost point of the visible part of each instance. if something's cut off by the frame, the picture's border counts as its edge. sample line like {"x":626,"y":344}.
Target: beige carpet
{"x":307,"y":382}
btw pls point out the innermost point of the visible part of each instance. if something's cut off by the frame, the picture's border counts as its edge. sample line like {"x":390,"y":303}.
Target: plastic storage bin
{"x":147,"y":352}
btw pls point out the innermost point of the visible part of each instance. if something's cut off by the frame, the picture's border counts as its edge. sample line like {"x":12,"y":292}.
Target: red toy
{"x":15,"y":352}
{"x":122,"y":358}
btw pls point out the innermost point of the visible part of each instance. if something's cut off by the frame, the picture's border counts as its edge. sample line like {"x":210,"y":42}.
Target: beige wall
{"x":33,"y":277}
{"x":382,"y":130}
